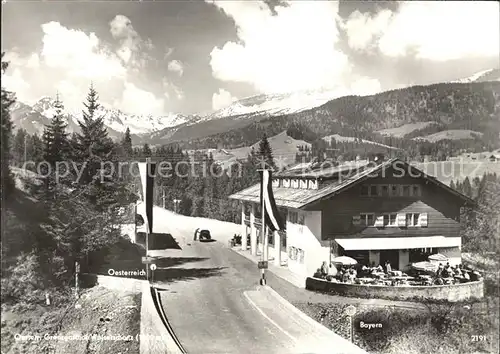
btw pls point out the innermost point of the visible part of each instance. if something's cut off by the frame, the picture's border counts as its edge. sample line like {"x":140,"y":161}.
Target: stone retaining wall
{"x":451,"y":293}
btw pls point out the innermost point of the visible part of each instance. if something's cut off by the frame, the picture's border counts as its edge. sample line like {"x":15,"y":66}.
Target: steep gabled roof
{"x":299,"y":198}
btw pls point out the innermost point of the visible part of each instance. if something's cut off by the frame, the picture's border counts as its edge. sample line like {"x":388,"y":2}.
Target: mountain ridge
{"x":406,"y":106}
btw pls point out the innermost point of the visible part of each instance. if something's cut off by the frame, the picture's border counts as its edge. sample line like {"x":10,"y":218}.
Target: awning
{"x":394,"y":243}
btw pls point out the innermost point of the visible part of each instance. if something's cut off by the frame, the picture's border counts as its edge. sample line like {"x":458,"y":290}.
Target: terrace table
{"x":366,"y":280}
{"x":426,"y":279}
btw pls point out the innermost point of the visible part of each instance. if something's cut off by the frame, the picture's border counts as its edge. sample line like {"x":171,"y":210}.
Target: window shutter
{"x":401,"y":220}
{"x":422,"y":220}
{"x":379,"y":221}
{"x":356,"y":220}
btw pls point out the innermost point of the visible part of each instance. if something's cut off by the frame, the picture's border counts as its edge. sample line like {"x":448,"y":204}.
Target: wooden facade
{"x":340,"y":211}
{"x":400,"y":212}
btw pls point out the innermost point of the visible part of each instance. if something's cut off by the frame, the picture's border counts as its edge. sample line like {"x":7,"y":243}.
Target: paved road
{"x":212,"y":301}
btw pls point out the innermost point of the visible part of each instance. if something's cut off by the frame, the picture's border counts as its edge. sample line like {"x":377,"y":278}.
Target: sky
{"x":194,"y":56}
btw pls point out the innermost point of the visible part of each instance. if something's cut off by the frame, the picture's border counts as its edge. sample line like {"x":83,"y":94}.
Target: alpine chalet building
{"x":373,"y":211}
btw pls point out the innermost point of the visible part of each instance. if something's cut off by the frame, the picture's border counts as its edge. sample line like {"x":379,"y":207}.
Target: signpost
{"x":350,"y":311}
{"x":265,"y":244}
{"x":153,"y":268}
{"x":77,"y":271}
{"x":148,"y":260}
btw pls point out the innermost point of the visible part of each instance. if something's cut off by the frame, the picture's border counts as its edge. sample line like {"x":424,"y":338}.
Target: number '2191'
{"x":476,"y":338}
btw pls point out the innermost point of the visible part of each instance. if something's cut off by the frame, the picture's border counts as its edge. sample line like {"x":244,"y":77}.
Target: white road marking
{"x":268,"y":318}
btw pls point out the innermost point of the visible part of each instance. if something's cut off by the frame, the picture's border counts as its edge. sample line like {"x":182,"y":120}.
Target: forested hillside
{"x":472,"y":106}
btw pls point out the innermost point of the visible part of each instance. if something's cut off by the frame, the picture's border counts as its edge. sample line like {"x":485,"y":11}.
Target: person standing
{"x":324,"y":269}
{"x":388,"y":267}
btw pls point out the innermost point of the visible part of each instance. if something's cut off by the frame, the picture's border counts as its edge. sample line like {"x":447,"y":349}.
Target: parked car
{"x":205,"y":235}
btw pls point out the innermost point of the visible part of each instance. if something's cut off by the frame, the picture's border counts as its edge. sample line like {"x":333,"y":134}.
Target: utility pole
{"x":25,"y":155}
{"x":148,"y":160}
{"x":263,"y":233}
{"x":77,"y":271}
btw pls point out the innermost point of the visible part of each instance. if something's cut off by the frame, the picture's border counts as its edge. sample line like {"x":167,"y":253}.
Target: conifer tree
{"x":127,"y":144}
{"x":93,"y":143}
{"x":7,"y":100}
{"x":146,"y":150}
{"x":19,"y":147}
{"x":55,"y":136}
{"x":34,"y":151}
{"x":467,"y":188}
{"x":265,"y":154}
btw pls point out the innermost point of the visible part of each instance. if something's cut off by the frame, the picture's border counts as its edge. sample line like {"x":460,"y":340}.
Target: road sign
{"x":153,"y":266}
{"x":350,"y":310}
{"x":262,"y":264}
{"x":148,"y":260}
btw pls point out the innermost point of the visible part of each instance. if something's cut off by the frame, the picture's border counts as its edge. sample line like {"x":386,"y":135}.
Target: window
{"x":301,"y":218}
{"x":394,"y":190}
{"x":415,"y":191}
{"x":364,"y":191}
{"x":374,"y":191}
{"x":296,"y":217}
{"x":367,"y":219}
{"x":390,"y":219}
{"x":406,"y":191}
{"x":384,"y":190}
{"x":412,"y":219}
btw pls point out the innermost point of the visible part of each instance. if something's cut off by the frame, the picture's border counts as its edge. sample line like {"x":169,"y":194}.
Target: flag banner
{"x":272,"y":217}
{"x":147,"y":171}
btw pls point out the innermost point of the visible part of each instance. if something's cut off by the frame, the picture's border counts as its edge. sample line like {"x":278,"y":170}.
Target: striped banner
{"x":147,"y":171}
{"x":272,"y":217}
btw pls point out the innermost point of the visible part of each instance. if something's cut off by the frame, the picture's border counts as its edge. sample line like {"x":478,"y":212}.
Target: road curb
{"x":296,"y":284}
{"x":299,"y":313}
{"x":352,"y":348}
{"x":157,"y":336}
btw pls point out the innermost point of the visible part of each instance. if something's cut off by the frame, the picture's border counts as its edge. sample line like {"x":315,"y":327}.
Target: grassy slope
{"x":23,"y":215}
{"x":456,"y":134}
{"x":445,"y":171}
{"x":66,"y":320}
{"x":405,"y":129}
{"x":283,"y":146}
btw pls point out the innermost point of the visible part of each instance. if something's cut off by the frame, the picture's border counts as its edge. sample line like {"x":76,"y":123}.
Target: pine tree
{"x":452,"y":185}
{"x":127,"y":144}
{"x":265,"y":154}
{"x":146,"y":150}
{"x":34,"y":151}
{"x":7,"y":100}
{"x":467,"y":188}
{"x":19,"y":147}
{"x":93,"y":143}
{"x":55,"y":136}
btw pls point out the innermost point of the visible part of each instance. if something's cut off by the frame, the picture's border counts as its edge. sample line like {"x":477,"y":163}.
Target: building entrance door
{"x":390,"y":255}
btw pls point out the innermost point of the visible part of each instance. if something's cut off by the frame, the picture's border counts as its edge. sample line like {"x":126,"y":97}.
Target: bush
{"x":24,"y":283}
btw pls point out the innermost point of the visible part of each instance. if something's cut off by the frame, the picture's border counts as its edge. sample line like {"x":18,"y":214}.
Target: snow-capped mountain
{"x":481,"y":76}
{"x":276,"y":104}
{"x":34,"y":118}
{"x":138,"y":124}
